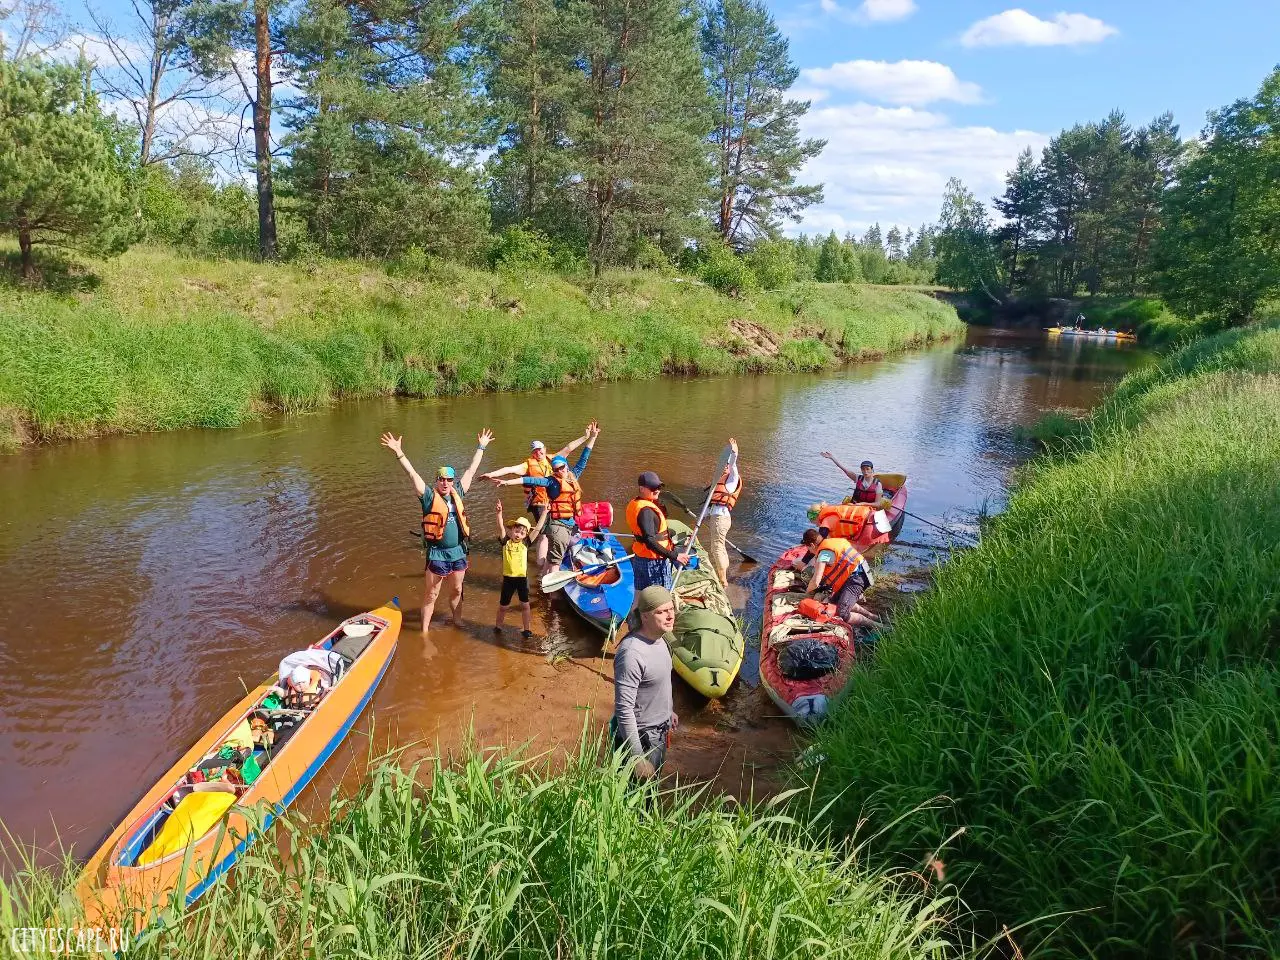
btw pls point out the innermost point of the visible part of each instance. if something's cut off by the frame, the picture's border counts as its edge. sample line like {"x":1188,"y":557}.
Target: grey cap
{"x":653,"y":597}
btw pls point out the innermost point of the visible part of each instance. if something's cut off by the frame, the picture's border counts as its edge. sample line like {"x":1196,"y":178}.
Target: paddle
{"x":706,"y":505}
{"x":558,"y":578}
{"x":681,"y":504}
{"x":937,"y":526}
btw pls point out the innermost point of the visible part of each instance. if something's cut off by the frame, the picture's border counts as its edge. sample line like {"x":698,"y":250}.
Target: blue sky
{"x":911,"y":92}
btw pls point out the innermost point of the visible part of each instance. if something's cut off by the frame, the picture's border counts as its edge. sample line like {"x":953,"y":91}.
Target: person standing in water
{"x":515,"y":568}
{"x":445,"y":530}
{"x":655,"y":557}
{"x":538,"y":464}
{"x":643,"y":717}
{"x":720,"y":514}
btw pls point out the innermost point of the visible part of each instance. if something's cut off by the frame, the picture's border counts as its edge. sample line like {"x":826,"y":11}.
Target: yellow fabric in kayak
{"x":192,"y":819}
{"x":241,"y":737}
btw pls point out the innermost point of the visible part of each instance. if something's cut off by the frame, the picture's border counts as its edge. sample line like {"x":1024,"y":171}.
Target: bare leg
{"x":526,"y":616}
{"x":860,"y":616}
{"x":502,"y":615}
{"x":431,"y":590}
{"x":455,"y":597}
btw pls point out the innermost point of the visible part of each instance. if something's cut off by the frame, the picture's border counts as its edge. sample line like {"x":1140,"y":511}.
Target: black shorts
{"x":514,"y":586}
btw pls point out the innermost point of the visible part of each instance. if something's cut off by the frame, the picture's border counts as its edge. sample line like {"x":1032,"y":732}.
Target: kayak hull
{"x":806,"y":701}
{"x":115,"y":891}
{"x":603,"y":603}
{"x":707,"y":645}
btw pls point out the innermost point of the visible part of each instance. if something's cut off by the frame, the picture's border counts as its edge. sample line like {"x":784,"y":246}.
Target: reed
{"x":1092,"y":693}
{"x":505,"y":857}
{"x":163,"y":342}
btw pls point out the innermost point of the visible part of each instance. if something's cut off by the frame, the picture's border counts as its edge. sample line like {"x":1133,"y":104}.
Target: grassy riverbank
{"x":155,"y":341}
{"x":503,"y":858}
{"x":1092,"y":695}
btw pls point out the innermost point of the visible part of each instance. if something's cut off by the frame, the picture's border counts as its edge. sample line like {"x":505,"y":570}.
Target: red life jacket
{"x":863,"y":493}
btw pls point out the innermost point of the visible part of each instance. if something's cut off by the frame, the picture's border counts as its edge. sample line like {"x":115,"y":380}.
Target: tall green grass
{"x":1093,"y":693}
{"x":501,"y":857}
{"x":164,"y":342}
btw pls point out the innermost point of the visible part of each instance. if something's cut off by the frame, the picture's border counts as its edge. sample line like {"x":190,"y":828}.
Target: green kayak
{"x":708,"y":647}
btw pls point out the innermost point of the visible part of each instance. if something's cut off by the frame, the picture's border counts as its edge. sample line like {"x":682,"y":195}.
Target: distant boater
{"x":866,"y":485}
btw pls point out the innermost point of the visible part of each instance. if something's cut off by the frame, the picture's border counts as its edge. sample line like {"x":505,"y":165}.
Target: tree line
{"x":609,"y":131}
{"x":1108,"y":208}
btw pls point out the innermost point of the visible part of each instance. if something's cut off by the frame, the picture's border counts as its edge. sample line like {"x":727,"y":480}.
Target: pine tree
{"x":756,"y":139}
{"x":64,"y":164}
{"x":637,"y":117}
{"x":1022,"y":206}
{"x":385,"y":115}
{"x":894,"y":241}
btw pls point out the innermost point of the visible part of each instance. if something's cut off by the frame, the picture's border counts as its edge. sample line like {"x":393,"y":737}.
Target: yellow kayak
{"x":708,"y":645}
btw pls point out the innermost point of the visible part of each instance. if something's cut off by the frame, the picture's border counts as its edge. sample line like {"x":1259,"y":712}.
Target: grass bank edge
{"x":163,"y":342}
{"x":1094,"y":689}
{"x":509,"y":855}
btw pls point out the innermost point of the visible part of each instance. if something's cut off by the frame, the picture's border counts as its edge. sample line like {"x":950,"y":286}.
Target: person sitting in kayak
{"x":302,"y":688}
{"x":866,"y":485}
{"x":515,"y":568}
{"x":839,"y":568}
{"x":538,"y":464}
{"x":564,"y":497}
{"x":445,"y":530}
{"x":845,"y":520}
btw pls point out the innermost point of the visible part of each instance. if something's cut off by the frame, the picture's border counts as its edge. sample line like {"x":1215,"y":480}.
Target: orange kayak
{"x":187,"y":831}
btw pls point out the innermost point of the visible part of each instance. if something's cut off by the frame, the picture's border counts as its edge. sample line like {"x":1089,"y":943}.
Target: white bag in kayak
{"x":882,"y":521}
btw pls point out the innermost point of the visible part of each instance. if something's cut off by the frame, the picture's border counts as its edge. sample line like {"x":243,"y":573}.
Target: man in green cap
{"x":643,"y":717}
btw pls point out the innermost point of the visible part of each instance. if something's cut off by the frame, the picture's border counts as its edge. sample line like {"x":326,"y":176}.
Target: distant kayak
{"x":804,"y":662}
{"x":602,"y":597}
{"x":1091,"y":334}
{"x":708,"y":648}
{"x":203,"y":804}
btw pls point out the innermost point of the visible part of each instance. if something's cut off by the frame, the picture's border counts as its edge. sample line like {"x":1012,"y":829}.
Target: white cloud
{"x":886,"y":10}
{"x":870,"y":11}
{"x":908,"y":82}
{"x":95,"y":49}
{"x":1018,"y":28}
{"x":890,"y":164}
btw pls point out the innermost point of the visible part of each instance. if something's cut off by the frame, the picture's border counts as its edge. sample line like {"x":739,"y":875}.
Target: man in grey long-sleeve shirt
{"x":642,"y":712}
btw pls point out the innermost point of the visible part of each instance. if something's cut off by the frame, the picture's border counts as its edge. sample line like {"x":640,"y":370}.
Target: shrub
{"x":721,"y":268}
{"x":522,"y":247}
{"x":773,"y":264}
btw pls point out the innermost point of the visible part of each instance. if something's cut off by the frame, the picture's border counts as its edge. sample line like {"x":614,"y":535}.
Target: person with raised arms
{"x":538,"y":464}
{"x":564,"y":497}
{"x":446,"y":532}
{"x":866,"y":485}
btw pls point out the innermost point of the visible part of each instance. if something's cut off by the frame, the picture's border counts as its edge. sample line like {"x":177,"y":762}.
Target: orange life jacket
{"x":534,"y":496}
{"x":863,"y":493}
{"x":847,"y":559}
{"x":721,"y":497}
{"x":569,"y":500}
{"x":435,"y":519}
{"x":640,"y":549}
{"x":845,"y":519}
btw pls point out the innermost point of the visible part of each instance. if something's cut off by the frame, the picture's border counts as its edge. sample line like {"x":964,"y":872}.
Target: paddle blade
{"x":556,"y":579}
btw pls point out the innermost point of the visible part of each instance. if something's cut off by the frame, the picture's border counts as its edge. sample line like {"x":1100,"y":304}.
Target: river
{"x":146,"y":580}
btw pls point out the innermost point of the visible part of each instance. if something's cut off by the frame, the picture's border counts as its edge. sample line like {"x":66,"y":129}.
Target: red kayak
{"x":804,"y":661}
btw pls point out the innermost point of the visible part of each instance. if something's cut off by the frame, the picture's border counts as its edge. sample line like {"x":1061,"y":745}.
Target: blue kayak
{"x":602,"y":595}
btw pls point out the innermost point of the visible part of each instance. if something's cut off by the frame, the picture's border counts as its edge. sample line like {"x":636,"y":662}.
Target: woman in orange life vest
{"x":538,"y":464}
{"x":564,"y":497}
{"x":655,"y":557}
{"x":445,"y":530}
{"x":845,"y":520}
{"x":840,"y":568}
{"x":866,"y":486}
{"x":719,"y":514}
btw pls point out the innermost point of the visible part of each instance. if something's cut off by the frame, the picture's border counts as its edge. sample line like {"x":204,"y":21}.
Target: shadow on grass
{"x":54,"y":274}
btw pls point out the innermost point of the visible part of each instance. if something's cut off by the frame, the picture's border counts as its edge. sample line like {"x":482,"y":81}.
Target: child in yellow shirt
{"x":515,"y":538}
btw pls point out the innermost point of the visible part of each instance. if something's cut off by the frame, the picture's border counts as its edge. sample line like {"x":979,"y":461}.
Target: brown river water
{"x":145,"y":581}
